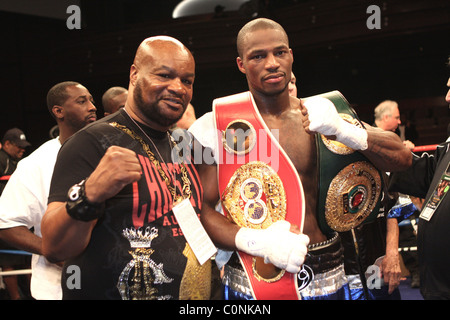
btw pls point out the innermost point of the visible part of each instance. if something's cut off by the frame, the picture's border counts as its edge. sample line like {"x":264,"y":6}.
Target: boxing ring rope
{"x":430,"y":147}
{"x":15,"y":272}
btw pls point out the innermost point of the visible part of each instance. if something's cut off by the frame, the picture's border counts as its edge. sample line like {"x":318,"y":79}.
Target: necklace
{"x":151,"y":140}
{"x":186,"y":188}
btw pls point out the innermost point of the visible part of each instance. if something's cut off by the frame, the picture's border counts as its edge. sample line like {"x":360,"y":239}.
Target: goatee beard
{"x":151,"y":110}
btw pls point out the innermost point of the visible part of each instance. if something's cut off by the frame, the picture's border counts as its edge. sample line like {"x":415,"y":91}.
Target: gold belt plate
{"x":352,"y":196}
{"x":255,"y":196}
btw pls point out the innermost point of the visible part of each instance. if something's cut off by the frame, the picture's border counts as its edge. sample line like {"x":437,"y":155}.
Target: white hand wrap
{"x":325,"y":119}
{"x":276,"y":244}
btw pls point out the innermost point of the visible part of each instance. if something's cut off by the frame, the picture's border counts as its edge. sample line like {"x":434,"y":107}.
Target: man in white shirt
{"x":24,"y":199}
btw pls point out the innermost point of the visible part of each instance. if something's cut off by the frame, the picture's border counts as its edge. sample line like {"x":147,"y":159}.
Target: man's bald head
{"x":147,"y":48}
{"x":113,"y":99}
{"x":257,"y":24}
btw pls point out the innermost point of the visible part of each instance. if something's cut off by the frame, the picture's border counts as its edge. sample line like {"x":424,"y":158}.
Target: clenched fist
{"x":322,"y":117}
{"x":277,"y":245}
{"x":117,"y":168}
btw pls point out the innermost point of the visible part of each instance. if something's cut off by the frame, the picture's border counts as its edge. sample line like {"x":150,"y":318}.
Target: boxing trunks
{"x":324,"y":275}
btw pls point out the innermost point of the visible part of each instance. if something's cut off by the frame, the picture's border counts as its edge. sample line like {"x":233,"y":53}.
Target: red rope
{"x":429,"y":147}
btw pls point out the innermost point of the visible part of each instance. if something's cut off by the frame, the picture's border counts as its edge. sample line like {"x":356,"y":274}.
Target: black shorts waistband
{"x":325,"y":255}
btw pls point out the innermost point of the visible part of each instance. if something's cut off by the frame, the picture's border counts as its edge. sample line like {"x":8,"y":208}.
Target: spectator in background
{"x":14,"y":144}
{"x":188,"y":118}
{"x":113,"y":99}
{"x":387,"y":117}
{"x":379,"y":238}
{"x":24,"y":199}
{"x":293,"y":85}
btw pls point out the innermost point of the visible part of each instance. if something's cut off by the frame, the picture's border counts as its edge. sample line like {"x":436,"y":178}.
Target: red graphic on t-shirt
{"x":161,"y":200}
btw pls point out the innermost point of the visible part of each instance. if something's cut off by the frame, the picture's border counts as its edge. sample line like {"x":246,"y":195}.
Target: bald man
{"x":113,"y":99}
{"x":111,"y":214}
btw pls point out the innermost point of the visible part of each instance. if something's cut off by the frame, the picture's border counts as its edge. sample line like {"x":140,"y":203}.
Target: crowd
{"x":120,"y":208}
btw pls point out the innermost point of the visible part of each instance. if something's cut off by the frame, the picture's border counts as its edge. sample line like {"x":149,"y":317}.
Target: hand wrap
{"x":325,"y":120}
{"x":276,"y":244}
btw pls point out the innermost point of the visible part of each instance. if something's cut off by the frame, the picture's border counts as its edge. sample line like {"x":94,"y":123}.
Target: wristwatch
{"x":79,"y":207}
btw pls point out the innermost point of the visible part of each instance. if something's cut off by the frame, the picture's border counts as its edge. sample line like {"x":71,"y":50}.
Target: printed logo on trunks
{"x":304,"y":277}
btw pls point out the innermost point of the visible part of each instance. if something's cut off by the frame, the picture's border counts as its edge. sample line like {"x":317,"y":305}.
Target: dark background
{"x":333,"y":49}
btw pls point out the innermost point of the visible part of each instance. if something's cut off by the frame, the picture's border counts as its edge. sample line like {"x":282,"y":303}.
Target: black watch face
{"x":74,"y":193}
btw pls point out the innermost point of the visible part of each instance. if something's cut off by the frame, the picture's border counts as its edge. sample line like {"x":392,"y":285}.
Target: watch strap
{"x":79,"y":207}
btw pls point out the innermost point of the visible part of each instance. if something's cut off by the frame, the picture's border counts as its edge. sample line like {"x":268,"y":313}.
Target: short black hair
{"x":257,"y":24}
{"x":57,"y":95}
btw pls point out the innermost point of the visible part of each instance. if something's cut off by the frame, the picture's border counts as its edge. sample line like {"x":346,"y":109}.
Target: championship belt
{"x":349,"y":185}
{"x":257,"y":190}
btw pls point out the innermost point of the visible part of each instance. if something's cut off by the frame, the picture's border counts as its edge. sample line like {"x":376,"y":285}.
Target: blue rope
{"x":16,"y":252}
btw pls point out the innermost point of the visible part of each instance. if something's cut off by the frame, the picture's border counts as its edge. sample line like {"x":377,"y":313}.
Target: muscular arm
{"x":386,"y":150}
{"x":221,"y":230}
{"x":64,"y":237}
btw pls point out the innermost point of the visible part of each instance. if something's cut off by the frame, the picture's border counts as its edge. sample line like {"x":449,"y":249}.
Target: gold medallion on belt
{"x":255,"y":196}
{"x":352,"y":196}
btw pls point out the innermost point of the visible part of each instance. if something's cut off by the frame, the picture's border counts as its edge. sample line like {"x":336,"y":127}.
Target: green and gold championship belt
{"x":349,"y":184}
{"x":258,"y":185}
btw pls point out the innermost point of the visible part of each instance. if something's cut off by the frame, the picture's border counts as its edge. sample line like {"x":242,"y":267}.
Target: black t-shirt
{"x":110,"y":261}
{"x":433,"y":238}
